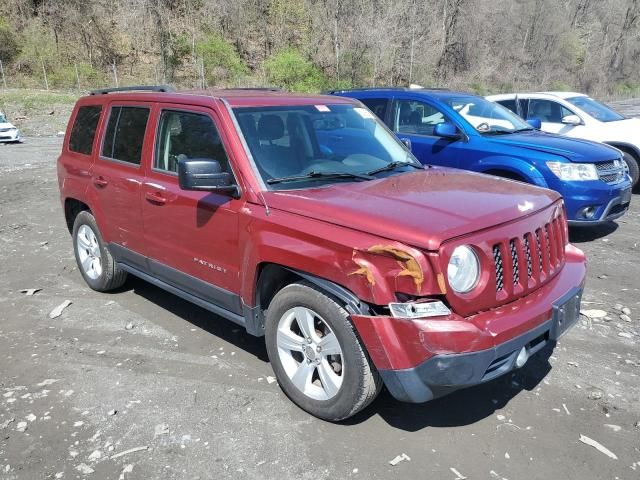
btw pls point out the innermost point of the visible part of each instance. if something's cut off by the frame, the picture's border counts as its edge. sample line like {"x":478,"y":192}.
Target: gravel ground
{"x":142,"y":369}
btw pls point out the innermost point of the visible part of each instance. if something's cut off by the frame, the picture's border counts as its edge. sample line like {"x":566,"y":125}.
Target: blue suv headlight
{"x":573,"y":171}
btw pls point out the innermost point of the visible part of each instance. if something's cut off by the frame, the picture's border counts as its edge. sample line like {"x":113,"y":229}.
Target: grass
{"x":37,"y":112}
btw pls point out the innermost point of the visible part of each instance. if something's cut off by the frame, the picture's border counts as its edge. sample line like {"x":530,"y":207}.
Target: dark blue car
{"x":465,"y":131}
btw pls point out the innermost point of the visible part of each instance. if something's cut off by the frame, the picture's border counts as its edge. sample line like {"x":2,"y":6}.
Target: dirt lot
{"x":142,"y":368}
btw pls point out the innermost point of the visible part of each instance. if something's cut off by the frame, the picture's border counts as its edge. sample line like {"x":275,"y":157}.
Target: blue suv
{"x":465,"y":131}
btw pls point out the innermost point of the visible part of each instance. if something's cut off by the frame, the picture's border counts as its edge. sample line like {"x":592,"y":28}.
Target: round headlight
{"x":463,"y":271}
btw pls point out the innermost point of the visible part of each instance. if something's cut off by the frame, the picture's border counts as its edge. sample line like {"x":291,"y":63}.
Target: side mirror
{"x":572,"y":120}
{"x":446,"y":130}
{"x":535,"y":123}
{"x":204,"y":174}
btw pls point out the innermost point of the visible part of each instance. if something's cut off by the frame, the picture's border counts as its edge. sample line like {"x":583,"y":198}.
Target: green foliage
{"x":559,"y":86}
{"x":627,"y":89}
{"x":64,"y":76}
{"x":38,"y":46}
{"x":291,"y":70}
{"x":179,"y":50}
{"x":290,"y":22}
{"x":573,"y":48}
{"x":9,"y":48}
{"x":222,"y":63}
{"x":479,"y":88}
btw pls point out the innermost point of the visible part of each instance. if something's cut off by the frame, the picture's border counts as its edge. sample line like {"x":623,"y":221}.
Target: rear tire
{"x":634,"y":168}
{"x":332,"y":386}
{"x":96,"y":265}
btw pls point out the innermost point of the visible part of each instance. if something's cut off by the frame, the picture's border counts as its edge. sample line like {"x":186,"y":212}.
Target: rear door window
{"x":124,"y":137}
{"x":84,"y":128}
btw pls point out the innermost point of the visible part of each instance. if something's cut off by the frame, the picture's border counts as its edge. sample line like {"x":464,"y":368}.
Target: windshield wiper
{"x":393,"y":165}
{"x":312,"y":175}
{"x":498,"y":132}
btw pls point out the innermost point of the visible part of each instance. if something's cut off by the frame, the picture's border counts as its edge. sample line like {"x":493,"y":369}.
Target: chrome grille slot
{"x":539,"y":248}
{"x":550,"y":247}
{"x":514,"y":261}
{"x":497,"y":258}
{"x":527,"y":253}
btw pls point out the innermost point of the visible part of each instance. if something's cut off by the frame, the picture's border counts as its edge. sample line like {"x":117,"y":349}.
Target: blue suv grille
{"x":611,"y":172}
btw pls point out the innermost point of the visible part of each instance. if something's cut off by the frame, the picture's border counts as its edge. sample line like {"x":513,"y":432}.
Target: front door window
{"x":412,"y":117}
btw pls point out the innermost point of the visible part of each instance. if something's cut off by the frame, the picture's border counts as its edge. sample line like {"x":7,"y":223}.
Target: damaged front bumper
{"x":424,"y":359}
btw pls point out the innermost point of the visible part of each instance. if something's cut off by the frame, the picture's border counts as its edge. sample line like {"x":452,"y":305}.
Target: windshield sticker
{"x":363,"y":112}
{"x":322,"y":108}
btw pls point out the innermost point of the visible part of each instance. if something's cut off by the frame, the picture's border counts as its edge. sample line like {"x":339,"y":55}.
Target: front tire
{"x":96,"y":265}
{"x":316,"y":355}
{"x":634,"y":168}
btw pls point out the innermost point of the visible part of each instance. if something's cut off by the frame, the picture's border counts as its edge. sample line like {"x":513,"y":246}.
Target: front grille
{"x":610,"y":171}
{"x":2,"y":130}
{"x":606,"y":165}
{"x":546,"y":245}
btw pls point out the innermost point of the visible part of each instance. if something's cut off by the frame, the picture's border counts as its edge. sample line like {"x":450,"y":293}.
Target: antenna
{"x":267,"y":210}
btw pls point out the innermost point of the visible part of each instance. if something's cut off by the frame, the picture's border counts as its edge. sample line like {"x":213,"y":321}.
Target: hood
{"x":421,"y":209}
{"x":574,"y":150}
{"x":6,"y":125}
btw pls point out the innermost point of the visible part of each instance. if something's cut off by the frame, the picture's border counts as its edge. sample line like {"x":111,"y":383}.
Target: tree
{"x":9,"y":48}
{"x":221,"y":61}
{"x":291,"y":70}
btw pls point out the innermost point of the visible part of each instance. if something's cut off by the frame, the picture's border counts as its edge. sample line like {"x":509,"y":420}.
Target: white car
{"x":8,"y":131}
{"x":577,"y":115}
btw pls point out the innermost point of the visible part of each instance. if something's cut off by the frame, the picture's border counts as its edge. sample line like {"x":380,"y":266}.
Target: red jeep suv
{"x":361,"y":268}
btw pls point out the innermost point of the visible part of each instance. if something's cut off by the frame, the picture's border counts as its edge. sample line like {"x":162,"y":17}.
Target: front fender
{"x":373,"y":268}
{"x":522,"y":168}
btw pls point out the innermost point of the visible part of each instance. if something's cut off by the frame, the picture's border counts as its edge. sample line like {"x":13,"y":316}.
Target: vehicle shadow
{"x":463,"y":407}
{"x":589,"y":234}
{"x":199,"y":317}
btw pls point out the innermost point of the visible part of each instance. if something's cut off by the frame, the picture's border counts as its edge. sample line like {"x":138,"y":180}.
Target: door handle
{"x":155,"y":197}
{"x":100,"y":182}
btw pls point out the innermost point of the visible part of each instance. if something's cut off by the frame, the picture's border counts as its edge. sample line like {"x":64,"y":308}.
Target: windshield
{"x":486,"y":116}
{"x":3,"y":119}
{"x":595,"y":109}
{"x":311,"y":145}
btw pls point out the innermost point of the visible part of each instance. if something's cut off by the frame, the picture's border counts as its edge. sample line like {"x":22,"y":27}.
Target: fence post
{"x":77,"y":76}
{"x":115,"y":74}
{"x":4,"y":80}
{"x":44,"y":70}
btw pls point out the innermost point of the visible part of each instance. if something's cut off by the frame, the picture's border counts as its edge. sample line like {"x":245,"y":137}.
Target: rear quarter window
{"x":125,"y":132}
{"x":84,"y":128}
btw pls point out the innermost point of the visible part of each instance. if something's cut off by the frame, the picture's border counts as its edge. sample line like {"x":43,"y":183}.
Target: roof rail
{"x":401,"y":89}
{"x":134,"y":88}
{"x":262,"y":89}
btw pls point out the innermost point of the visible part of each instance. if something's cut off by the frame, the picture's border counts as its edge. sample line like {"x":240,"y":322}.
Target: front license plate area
{"x":566,"y":313}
